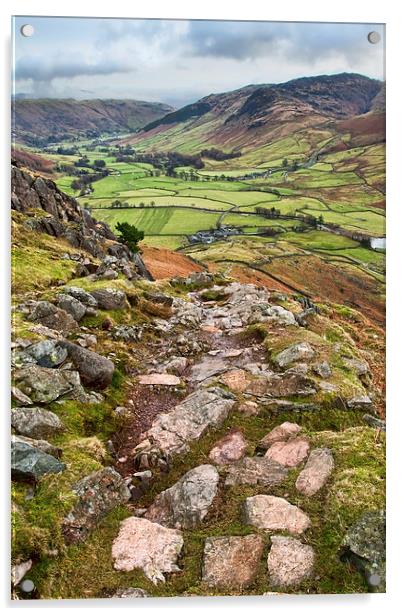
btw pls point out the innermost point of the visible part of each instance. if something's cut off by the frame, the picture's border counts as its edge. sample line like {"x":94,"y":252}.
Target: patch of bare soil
{"x":163,"y":263}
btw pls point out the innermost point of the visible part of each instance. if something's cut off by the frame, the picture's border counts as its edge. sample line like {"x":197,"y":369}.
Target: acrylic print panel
{"x":198,"y":217}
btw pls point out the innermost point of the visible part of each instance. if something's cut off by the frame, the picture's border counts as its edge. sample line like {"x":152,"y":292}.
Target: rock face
{"x":35,"y":422}
{"x":364,"y":545}
{"x":297,"y":352}
{"x":280,"y":433}
{"x":98,"y":494}
{"x":231,"y":562}
{"x":171,"y":432}
{"x":256,"y":471}
{"x":30,"y":464}
{"x":273,"y":513}
{"x":148,"y":546}
{"x":315,"y":474}
{"x":55,"y":318}
{"x":187,"y":502}
{"x":95,"y":371}
{"x":290,"y":561}
{"x":289,"y":453}
{"x":229,"y":449}
{"x":110,"y":299}
{"x":44,"y":385}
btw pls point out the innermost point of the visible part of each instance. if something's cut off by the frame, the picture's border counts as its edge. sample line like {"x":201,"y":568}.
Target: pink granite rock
{"x":315,"y":474}
{"x":148,"y":546}
{"x":289,"y":561}
{"x":158,"y":379}
{"x":280,"y":433}
{"x":231,"y":562}
{"x":248,"y":408}
{"x":274,"y":513}
{"x":236,"y":380}
{"x":230,"y":448}
{"x":289,"y":453}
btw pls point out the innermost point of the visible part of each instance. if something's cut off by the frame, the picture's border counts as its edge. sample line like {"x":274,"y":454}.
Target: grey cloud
{"x":46,"y":69}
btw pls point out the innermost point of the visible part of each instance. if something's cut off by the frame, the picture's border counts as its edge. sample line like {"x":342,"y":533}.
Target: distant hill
{"x":251,"y":116}
{"x":40,"y":121}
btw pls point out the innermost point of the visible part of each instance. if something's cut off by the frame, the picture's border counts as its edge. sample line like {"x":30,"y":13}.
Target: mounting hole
{"x":374,"y":37}
{"x":27,"y":585}
{"x":27,"y":30}
{"x":374,"y":579}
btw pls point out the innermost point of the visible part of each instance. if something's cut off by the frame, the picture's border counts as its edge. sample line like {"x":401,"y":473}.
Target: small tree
{"x":129,"y":235}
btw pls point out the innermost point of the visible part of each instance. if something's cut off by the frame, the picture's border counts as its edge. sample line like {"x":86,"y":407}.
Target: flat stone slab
{"x":273,"y":513}
{"x":256,"y":471}
{"x":289,"y":383}
{"x":280,"y":433}
{"x":316,"y":473}
{"x":290,"y":561}
{"x":301,"y":351}
{"x":145,"y":545}
{"x":98,"y":494}
{"x":172,"y":432}
{"x":206,"y":368}
{"x":289,"y":453}
{"x":236,"y":380}
{"x":231,"y":562}
{"x":187,"y":502}
{"x":159,"y":379}
{"x":35,"y":422}
{"x":229,"y":449}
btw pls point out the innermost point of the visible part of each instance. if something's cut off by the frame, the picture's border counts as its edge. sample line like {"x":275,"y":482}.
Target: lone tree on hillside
{"x":129,"y":235}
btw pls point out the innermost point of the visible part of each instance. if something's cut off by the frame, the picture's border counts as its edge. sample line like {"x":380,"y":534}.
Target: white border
{"x":385,"y":11}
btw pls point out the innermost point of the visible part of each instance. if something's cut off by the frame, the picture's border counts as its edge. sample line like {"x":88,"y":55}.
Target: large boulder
{"x":256,"y":471}
{"x":231,"y":562}
{"x":301,"y":351}
{"x":274,"y":513}
{"x":110,"y":299}
{"x":30,"y":464}
{"x":290,"y":561}
{"x":145,"y":545}
{"x":35,"y":422}
{"x":40,"y":444}
{"x":81,"y":295}
{"x":44,"y":385}
{"x":46,"y":353}
{"x":95,"y":370}
{"x":187,"y":502}
{"x":98,"y":494}
{"x":364,"y":546}
{"x":316,"y":473}
{"x":71,"y":305}
{"x":55,"y":318}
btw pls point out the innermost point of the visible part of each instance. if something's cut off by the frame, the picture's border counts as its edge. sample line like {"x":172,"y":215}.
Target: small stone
{"x":297,"y":352}
{"x":273,"y":513}
{"x":359,"y":366}
{"x":229,"y":449}
{"x":83,"y":296}
{"x":316,"y":473}
{"x":281,"y":433}
{"x":19,"y":571}
{"x":145,"y":545}
{"x":130,"y":593}
{"x":360,"y":403}
{"x":256,"y":471}
{"x":323,"y":369}
{"x":177,"y":365}
{"x":290,"y":561}
{"x":187,"y":502}
{"x":248,"y":408}
{"x":35,"y":422}
{"x":231,"y":562}
{"x":237,"y":380}
{"x":20,"y":397}
{"x":110,"y":299}
{"x":374,"y":422}
{"x":289,"y":453}
{"x":159,"y":379}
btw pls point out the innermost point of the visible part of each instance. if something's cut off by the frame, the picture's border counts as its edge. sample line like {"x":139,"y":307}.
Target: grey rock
{"x":44,"y":385}
{"x":256,"y":471}
{"x":20,"y":397}
{"x":110,"y":299}
{"x":360,"y":403}
{"x":30,"y":464}
{"x":95,"y":370}
{"x":72,"y":305}
{"x":83,"y":296}
{"x":323,"y":369}
{"x":98,"y":494}
{"x":359,"y":366}
{"x":128,"y":333}
{"x":374,"y":422}
{"x":55,"y":318}
{"x":47,"y":353}
{"x":19,"y":571}
{"x":35,"y":422}
{"x":40,"y":444}
{"x":130,"y":593}
{"x":187,"y":502}
{"x":207,"y":368}
{"x":159,"y":298}
{"x":364,"y":545}
{"x":297,"y":352}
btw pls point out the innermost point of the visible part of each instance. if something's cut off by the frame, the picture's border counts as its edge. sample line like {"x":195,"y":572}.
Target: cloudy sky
{"x":178,"y":62}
